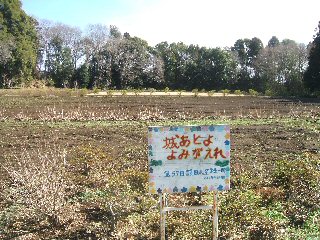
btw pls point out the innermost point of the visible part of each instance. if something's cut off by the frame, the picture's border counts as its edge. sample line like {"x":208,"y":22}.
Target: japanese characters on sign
{"x":189,"y":159}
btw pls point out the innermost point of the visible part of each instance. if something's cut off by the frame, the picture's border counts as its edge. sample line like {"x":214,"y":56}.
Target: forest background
{"x":43,"y":53}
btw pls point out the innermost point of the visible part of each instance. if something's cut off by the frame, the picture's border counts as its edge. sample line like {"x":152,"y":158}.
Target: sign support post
{"x":164,"y":208}
{"x":215,"y":216}
{"x":162,"y":200}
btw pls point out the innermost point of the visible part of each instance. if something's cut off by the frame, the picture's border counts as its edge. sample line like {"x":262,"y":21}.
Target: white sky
{"x":211,"y":23}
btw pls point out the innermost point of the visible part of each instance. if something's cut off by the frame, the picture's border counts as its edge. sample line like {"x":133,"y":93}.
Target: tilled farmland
{"x":76,"y":167}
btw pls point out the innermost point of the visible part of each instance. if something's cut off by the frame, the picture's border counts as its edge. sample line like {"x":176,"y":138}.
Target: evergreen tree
{"x":247,"y":51}
{"x":81,"y":76}
{"x":18,"y":40}
{"x":273,"y":42}
{"x":312,"y":74}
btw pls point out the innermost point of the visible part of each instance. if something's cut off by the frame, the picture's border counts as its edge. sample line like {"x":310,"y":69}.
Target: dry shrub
{"x":300,"y":179}
{"x":38,"y":187}
{"x":271,"y":194}
{"x":90,"y":166}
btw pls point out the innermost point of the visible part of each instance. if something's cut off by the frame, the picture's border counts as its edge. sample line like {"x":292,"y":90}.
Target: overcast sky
{"x":210,"y":23}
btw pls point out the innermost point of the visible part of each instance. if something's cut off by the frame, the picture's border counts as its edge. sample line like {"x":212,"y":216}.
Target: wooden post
{"x":215,"y":216}
{"x":162,"y":200}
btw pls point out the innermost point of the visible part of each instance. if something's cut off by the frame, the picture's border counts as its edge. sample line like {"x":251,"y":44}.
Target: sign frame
{"x":189,"y":158}
{"x":220,"y":155}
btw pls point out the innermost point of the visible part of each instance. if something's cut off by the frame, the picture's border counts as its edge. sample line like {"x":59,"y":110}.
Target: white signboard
{"x":189,"y":159}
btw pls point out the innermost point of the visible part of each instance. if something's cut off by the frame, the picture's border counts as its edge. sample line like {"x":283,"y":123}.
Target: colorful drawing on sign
{"x":189,"y":159}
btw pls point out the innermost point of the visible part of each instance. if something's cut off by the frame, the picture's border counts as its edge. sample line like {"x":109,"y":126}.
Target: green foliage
{"x":83,"y":92}
{"x":247,"y":52}
{"x":60,"y":64}
{"x":311,"y":227}
{"x":238,"y":92}
{"x":299,"y":179}
{"x":110,"y":92}
{"x":225,"y":92}
{"x":195,"y":92}
{"x":295,"y":174}
{"x":316,"y":94}
{"x":151,"y":90}
{"x":276,"y":213}
{"x":86,"y":167}
{"x":211,"y":92}
{"x":8,"y":216}
{"x":245,"y":206}
{"x":137,"y":91}
{"x":312,"y":74}
{"x":273,"y":42}
{"x":18,"y":44}
{"x":268,"y":92}
{"x":189,"y":67}
{"x":166,"y":89}
{"x":253,"y":92}
{"x":96,"y":90}
{"x":81,"y":77}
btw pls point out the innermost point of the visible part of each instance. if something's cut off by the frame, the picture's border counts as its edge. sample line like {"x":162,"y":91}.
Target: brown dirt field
{"x":72,"y":122}
{"x":168,"y":107}
{"x":53,"y":115}
{"x":114,"y":128}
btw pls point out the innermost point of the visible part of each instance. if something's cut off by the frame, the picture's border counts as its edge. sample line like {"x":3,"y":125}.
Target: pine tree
{"x":312,"y":74}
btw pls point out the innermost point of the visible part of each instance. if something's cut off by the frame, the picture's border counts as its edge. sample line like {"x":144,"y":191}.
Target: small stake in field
{"x":186,"y":159}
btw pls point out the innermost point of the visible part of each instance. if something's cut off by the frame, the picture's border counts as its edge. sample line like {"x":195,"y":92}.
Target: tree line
{"x":102,"y":57}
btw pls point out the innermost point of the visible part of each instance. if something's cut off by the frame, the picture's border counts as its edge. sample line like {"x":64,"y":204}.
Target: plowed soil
{"x":263,"y":129}
{"x":35,"y":122}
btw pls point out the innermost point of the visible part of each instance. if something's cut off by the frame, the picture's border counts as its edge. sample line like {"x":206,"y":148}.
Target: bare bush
{"x":38,"y":185}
